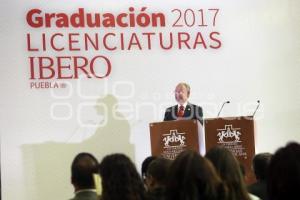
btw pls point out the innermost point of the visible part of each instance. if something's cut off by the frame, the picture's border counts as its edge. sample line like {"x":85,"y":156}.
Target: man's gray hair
{"x":186,"y":86}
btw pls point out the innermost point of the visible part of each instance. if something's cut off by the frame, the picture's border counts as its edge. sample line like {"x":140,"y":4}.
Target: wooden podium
{"x":235,"y":134}
{"x":170,"y":138}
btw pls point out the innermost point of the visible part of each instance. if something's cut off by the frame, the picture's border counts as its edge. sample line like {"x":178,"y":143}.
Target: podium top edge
{"x":171,"y":121}
{"x":230,"y":117}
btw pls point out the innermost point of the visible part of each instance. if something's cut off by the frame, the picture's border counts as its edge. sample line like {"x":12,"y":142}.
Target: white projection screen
{"x":91,"y":75}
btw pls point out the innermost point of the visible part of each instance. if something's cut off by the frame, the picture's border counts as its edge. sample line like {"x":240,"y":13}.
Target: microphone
{"x":258,"y":103}
{"x":222,"y":107}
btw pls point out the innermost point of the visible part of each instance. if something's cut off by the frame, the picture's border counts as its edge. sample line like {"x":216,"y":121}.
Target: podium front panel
{"x":170,"y":138}
{"x":235,"y":134}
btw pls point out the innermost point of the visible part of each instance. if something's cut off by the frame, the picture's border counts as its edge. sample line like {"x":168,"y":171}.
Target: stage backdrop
{"x":91,"y":75}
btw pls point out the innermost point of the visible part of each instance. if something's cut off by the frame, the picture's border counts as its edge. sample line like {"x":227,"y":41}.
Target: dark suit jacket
{"x":85,"y":195}
{"x":191,"y":112}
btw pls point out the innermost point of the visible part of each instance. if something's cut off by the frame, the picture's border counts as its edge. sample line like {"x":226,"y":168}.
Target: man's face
{"x":181,"y":94}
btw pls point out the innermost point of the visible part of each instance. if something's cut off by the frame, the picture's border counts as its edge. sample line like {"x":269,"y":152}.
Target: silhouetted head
{"x":193,"y":177}
{"x":106,"y":104}
{"x":283,"y":179}
{"x":157,"y":173}
{"x":83,"y":167}
{"x":120,"y":179}
{"x":260,"y":165}
{"x":145,"y":165}
{"x":229,"y":170}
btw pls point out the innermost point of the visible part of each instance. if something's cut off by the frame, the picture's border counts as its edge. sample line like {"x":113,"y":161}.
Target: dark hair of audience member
{"x":260,"y":165}
{"x":145,"y":165}
{"x":191,"y":176}
{"x":83,"y":167}
{"x":283,"y":179}
{"x":158,"y":169}
{"x":156,"y":178}
{"x":242,"y":168}
{"x":229,"y":170}
{"x":120,"y":179}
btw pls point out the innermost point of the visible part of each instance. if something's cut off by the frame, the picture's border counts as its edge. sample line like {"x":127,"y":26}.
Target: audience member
{"x":260,"y":166}
{"x":156,"y":178}
{"x":283,"y":181}
{"x":145,"y":165}
{"x":84,"y":166}
{"x":120,"y":179}
{"x":191,"y":176}
{"x":229,"y":170}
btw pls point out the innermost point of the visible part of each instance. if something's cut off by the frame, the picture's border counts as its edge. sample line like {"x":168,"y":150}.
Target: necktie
{"x":180,"y":112}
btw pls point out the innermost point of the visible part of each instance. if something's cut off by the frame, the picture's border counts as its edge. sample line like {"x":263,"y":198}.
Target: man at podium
{"x":184,"y":109}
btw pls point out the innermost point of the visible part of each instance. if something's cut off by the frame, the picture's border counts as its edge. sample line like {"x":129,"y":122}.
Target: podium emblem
{"x":174,"y":139}
{"x":229,"y":134}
